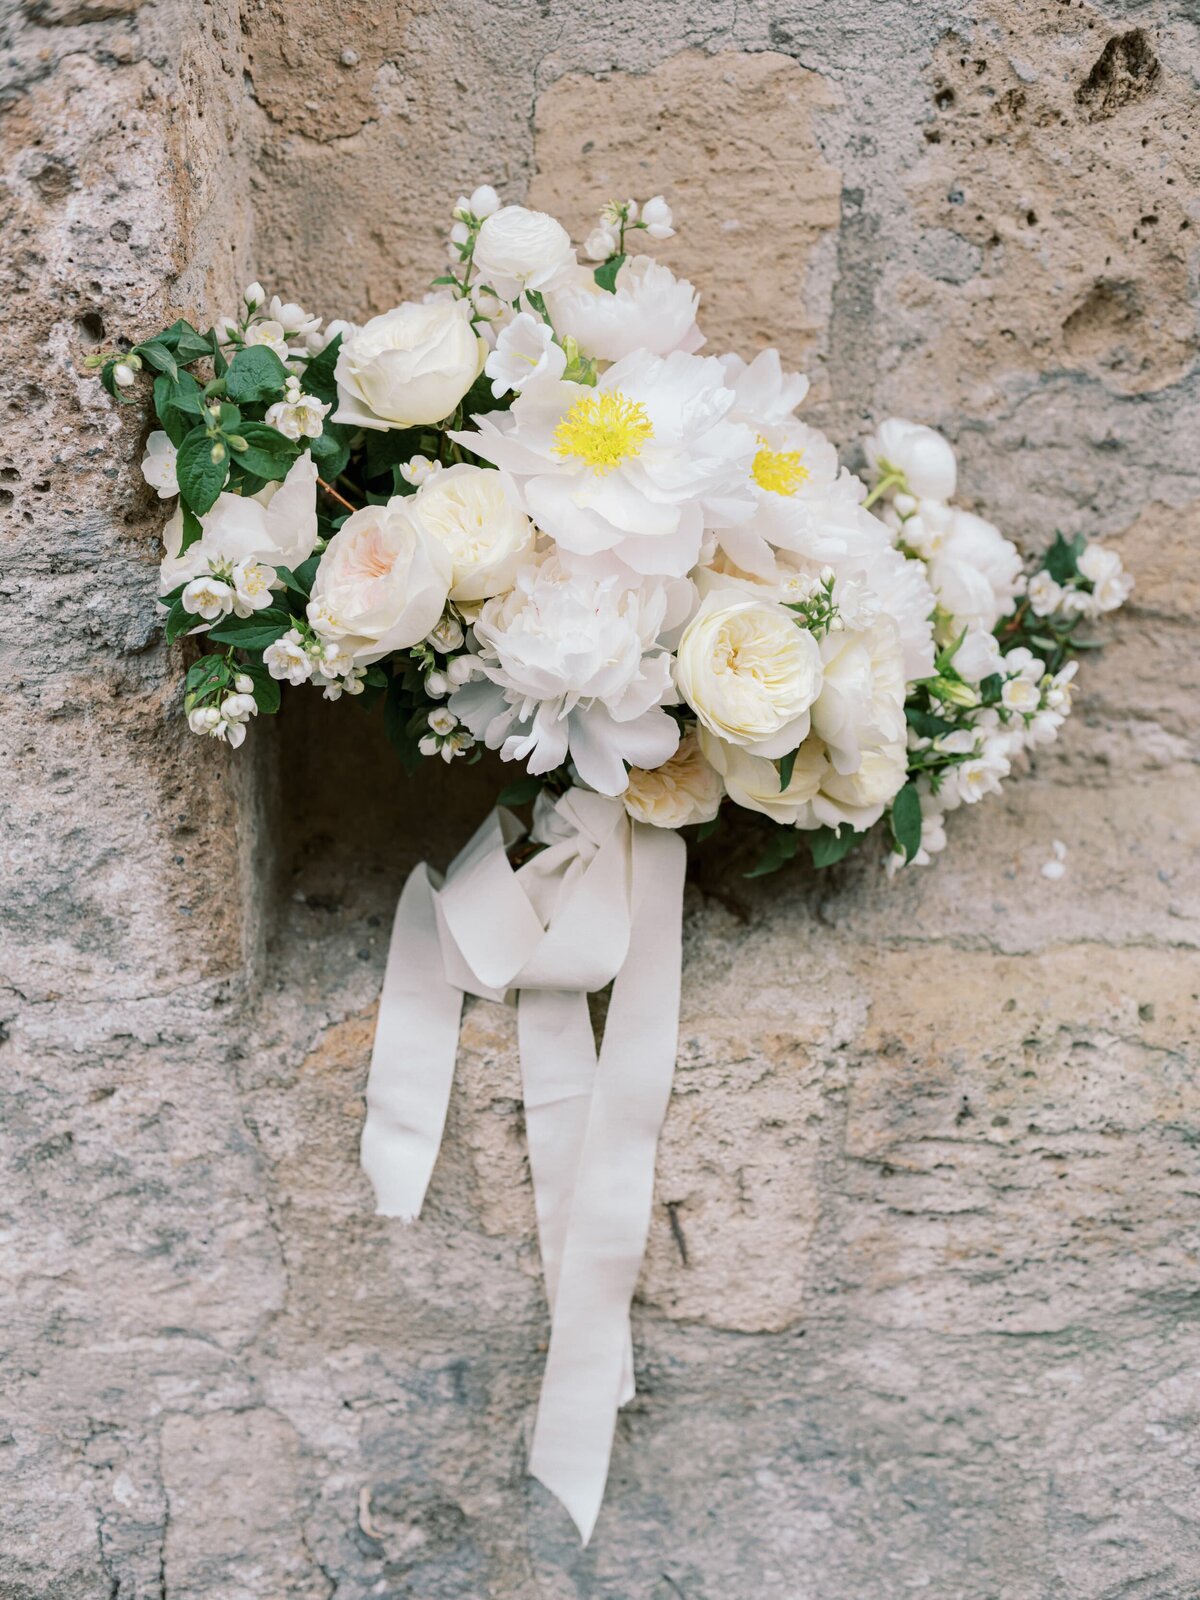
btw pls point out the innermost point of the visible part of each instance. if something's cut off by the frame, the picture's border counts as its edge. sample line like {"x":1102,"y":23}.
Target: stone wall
{"x":919,"y":1312}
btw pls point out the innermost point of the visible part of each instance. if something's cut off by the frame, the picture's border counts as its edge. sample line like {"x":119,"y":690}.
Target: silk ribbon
{"x":601,"y":903}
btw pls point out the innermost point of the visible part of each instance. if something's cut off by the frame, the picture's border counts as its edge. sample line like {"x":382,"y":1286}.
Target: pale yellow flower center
{"x":603,"y":430}
{"x":779,"y":471}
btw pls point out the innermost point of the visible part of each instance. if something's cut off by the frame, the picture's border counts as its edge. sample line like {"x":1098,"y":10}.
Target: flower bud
{"x":244,"y":683}
{"x":254,"y":294}
{"x":442,"y":721}
{"x":217,"y":453}
{"x":123,"y":374}
{"x":461,"y":670}
{"x":484,"y":201}
{"x":437,"y":685}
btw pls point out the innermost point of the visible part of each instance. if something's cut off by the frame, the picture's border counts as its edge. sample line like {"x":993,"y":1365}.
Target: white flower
{"x":1045,"y":595}
{"x":978,"y":656}
{"x":753,"y":782}
{"x":239,"y":707}
{"x":443,"y":721}
{"x":1020,"y":695}
{"x":251,"y":587}
{"x":299,"y":416}
{"x":408,"y":366}
{"x":517,"y":249}
{"x":922,"y":457}
{"x":1112,"y":592}
{"x":123,"y":375}
{"x":459,"y":671}
{"x":277,"y":526}
{"x":601,"y":243}
{"x":684,"y":790}
{"x":436,"y":685}
{"x":525,"y":350}
{"x":419,"y":469}
{"x":447,"y":635}
{"x":1097,"y":562}
{"x":270,"y":334}
{"x":207,"y":598}
{"x":317,"y":340}
{"x":474,"y":513}
{"x":254,"y":294}
{"x":861,"y":703}
{"x":572,"y":667}
{"x":293,"y":319}
{"x":244,"y":683}
{"x":858,"y":798}
{"x":288,"y":659}
{"x":203,"y":719}
{"x":381,"y":584}
{"x":976,"y":572}
{"x":651,"y":309}
{"x":633,"y":466}
{"x":158,"y":465}
{"x":656,"y":214}
{"x":484,"y":201}
{"x":983,"y":774}
{"x":749,"y":672}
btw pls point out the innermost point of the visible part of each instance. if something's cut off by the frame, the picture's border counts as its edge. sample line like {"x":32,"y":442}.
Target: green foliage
{"x":178,"y":621}
{"x":201,"y":467}
{"x":606,"y":278}
{"x":787,"y":766}
{"x":779,"y":850}
{"x":255,"y":632}
{"x":906,"y":821}
{"x":318,"y":374}
{"x":267,"y":690}
{"x":178,"y":402}
{"x":255,"y":373}
{"x":1062,"y":558}
{"x":829,"y":845}
{"x":267,"y":453}
{"x":927,"y":723}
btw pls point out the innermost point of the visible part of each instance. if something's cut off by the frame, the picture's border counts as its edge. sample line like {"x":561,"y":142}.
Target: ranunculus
{"x":861,"y":702}
{"x":382,"y":583}
{"x":684,"y":790}
{"x":975,"y":572}
{"x":517,"y":249}
{"x":408,"y":366}
{"x":473,"y":513}
{"x":749,"y":672}
{"x":753,"y":782}
{"x":651,"y":310}
{"x":921,"y":455}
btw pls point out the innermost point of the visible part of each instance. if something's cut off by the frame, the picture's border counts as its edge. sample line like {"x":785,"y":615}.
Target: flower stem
{"x":334,"y":495}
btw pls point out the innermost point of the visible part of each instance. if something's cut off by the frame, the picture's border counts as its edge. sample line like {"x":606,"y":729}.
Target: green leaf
{"x":386,"y":450}
{"x":201,"y":479}
{"x":111,"y":385}
{"x":1062,"y":558}
{"x":606,"y":277}
{"x":268,"y":454}
{"x":906,"y":821}
{"x":268,"y":691}
{"x":331,"y":449}
{"x":157,"y":356}
{"x":220,"y":364}
{"x":990,"y":689}
{"x":193,"y":528}
{"x":318,"y":374}
{"x":787,"y":766}
{"x":784,"y":843}
{"x":253,"y":633}
{"x":521,"y":791}
{"x":707,"y":828}
{"x":184,"y":342}
{"x":827,"y":845}
{"x":293,"y":582}
{"x":176,"y":401}
{"x":926,"y":723}
{"x":255,"y":373}
{"x":205,"y":674}
{"x":179,"y":621}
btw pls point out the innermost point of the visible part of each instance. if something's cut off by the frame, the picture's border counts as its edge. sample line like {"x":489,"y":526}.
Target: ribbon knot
{"x":601,"y":903}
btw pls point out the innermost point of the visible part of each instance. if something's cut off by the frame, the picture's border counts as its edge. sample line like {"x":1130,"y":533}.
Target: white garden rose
{"x":408,"y":366}
{"x":749,"y":672}
{"x":381,"y":584}
{"x":753,"y":782}
{"x":924,"y":459}
{"x":684,"y":790}
{"x":473,"y":513}
{"x":858,"y":798}
{"x":518,"y":249}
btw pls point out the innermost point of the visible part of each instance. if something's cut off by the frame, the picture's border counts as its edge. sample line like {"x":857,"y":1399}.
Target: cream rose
{"x":472,"y":512}
{"x":753,"y":782}
{"x":861,"y":703}
{"x":518,"y":249}
{"x":858,"y":798}
{"x":683,"y":790}
{"x":382,"y":583}
{"x":749,"y":672}
{"x":408,"y":366}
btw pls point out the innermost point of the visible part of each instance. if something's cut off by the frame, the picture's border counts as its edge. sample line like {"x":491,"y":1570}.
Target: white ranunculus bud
{"x":518,"y":249}
{"x":381,"y":584}
{"x":254,"y":294}
{"x":749,"y":672}
{"x":484,"y":201}
{"x":920,"y":455}
{"x":409,"y":366}
{"x":656,"y":214}
{"x":443,"y":721}
{"x":123,"y":375}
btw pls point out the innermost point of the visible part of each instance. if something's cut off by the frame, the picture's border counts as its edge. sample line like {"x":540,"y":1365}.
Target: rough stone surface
{"x":919,"y":1311}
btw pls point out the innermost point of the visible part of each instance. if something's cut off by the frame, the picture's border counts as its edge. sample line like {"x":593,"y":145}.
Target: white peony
{"x":975,"y":573}
{"x":572,"y":668}
{"x":749,"y":672}
{"x":381,"y":584}
{"x":923,"y":459}
{"x":684,"y":790}
{"x":861,"y":703}
{"x":474,"y":514}
{"x":525,"y":350}
{"x":631,"y":469}
{"x":277,"y":526}
{"x":651,"y":310}
{"x":517,"y":249}
{"x":408,"y":366}
{"x":158,"y":465}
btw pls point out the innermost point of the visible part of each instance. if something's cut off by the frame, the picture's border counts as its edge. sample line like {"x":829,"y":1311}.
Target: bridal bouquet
{"x":528,"y":512}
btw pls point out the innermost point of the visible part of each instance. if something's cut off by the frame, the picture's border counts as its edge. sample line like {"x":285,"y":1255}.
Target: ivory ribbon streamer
{"x":603,"y":902}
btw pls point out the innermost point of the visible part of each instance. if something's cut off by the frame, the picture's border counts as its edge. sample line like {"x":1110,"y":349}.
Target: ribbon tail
{"x":412,"y":1059}
{"x":588,"y":1370}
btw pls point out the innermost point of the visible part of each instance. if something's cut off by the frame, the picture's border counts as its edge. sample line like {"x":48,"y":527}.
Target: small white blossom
{"x":123,"y":375}
{"x":270,"y":334}
{"x":484,"y":200}
{"x":298,"y":415}
{"x":600,"y":243}
{"x":293,"y":319}
{"x":437,"y":685}
{"x":254,"y":294}
{"x":524,"y":350}
{"x":203,"y":719}
{"x":208,"y":598}
{"x":287,"y":658}
{"x":428,"y":745}
{"x":244,"y":683}
{"x":1045,"y":594}
{"x":656,"y":214}
{"x":251,"y":587}
{"x":447,"y":636}
{"x":442,"y":720}
{"x":418,"y":470}
{"x":461,"y":670}
{"x":158,"y":465}
{"x":238,"y":707}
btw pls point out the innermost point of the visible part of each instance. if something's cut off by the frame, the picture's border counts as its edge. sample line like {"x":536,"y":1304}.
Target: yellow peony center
{"x":603,"y":430}
{"x":780,"y":471}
